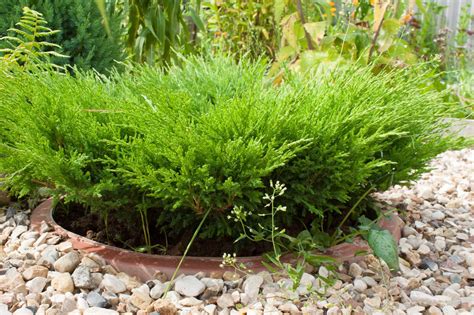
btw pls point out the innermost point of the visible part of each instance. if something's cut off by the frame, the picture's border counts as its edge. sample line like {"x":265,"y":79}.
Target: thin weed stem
{"x":196,"y":232}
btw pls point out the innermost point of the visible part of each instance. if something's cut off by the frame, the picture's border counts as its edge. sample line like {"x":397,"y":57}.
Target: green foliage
{"x":159,"y":30}
{"x":243,"y":27}
{"x":384,"y":247}
{"x":301,"y":246}
{"x":81,"y":33}
{"x":210,"y":135}
{"x":28,"y":42}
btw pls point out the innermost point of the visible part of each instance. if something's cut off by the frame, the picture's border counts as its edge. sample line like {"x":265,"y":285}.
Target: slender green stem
{"x":196,"y":232}
{"x":273,"y":225}
{"x":350,"y":212}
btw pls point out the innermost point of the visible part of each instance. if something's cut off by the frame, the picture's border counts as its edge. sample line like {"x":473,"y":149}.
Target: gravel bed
{"x":42,"y":274}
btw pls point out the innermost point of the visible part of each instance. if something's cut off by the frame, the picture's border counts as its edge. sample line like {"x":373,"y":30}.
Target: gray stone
{"x":94,"y":299}
{"x":69,"y":305}
{"x":158,"y":289}
{"x":225,"y":301}
{"x":113,"y":284}
{"x":36,"y":285}
{"x":425,"y":299}
{"x":189,"y":286}
{"x":82,"y":278}
{"x":20,"y":229}
{"x":424,"y":249}
{"x":49,"y":257}
{"x":210,"y":292}
{"x":355,"y":270}
{"x":252,"y":286}
{"x":110,"y":297}
{"x":437,"y":215}
{"x":210,"y":309}
{"x":360,"y":285}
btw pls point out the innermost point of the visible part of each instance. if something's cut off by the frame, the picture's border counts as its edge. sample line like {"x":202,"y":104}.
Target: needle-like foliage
{"x":211,"y":135}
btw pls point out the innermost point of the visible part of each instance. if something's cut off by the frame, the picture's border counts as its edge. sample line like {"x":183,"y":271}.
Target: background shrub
{"x":210,"y":135}
{"x":82,"y":35}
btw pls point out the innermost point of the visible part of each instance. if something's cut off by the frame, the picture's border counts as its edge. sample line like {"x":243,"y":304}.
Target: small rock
{"x":360,"y":285}
{"x":449,"y":310}
{"x":63,"y":283}
{"x":99,"y":311}
{"x":94,"y":299}
{"x":158,"y":289}
{"x":35,"y":271}
{"x":289,"y":307}
{"x":23,"y":311}
{"x":36,"y":285}
{"x":252,"y":286}
{"x":160,"y":276}
{"x":49,"y":257}
{"x":164,"y":307}
{"x":65,"y":247}
{"x":113,"y":284}
{"x":210,"y":292}
{"x":110,"y":297}
{"x":355,"y":270}
{"x":427,"y":263}
{"x":323,"y":272}
{"x":69,"y":305}
{"x":230,"y":276}
{"x":433,"y":310}
{"x":369,"y":281}
{"x":210,"y":309}
{"x":462,"y":236}
{"x":4,"y":309}
{"x":415,"y":310}
{"x":97,"y":258}
{"x":437,"y":215}
{"x":225,"y":301}
{"x":68,"y":262}
{"x":469,"y":257}
{"x":424,"y":299}
{"x":90,"y":263}
{"x":424,"y":249}
{"x":82,"y":277}
{"x":189,"y":286}
{"x":190,"y":301}
{"x":374,"y":302}
{"x":408,"y":230}
{"x":141,"y":297}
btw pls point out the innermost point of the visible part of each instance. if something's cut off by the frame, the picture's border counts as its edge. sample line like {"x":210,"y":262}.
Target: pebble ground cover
{"x":42,"y":274}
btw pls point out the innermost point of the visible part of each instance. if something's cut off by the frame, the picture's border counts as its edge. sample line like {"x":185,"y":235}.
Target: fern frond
{"x":28,"y":49}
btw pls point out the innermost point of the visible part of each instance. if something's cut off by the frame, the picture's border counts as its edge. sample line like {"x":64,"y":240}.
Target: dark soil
{"x":129,"y":235}
{"x":75,"y":218}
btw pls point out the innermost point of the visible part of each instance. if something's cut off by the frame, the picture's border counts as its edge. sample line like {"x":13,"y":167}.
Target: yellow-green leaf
{"x":316,"y":30}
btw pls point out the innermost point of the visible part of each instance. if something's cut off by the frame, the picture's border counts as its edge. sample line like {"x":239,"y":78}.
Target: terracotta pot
{"x":144,"y":266}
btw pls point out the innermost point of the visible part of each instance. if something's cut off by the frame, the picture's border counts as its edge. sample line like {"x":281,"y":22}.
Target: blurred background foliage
{"x":81,"y":32}
{"x":294,"y":34}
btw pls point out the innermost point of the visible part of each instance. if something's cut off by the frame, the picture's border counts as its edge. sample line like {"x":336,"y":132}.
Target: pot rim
{"x":144,"y":266}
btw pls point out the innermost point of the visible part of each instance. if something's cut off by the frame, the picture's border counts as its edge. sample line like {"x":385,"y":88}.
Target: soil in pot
{"x":77,"y":219}
{"x":122,"y":234}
